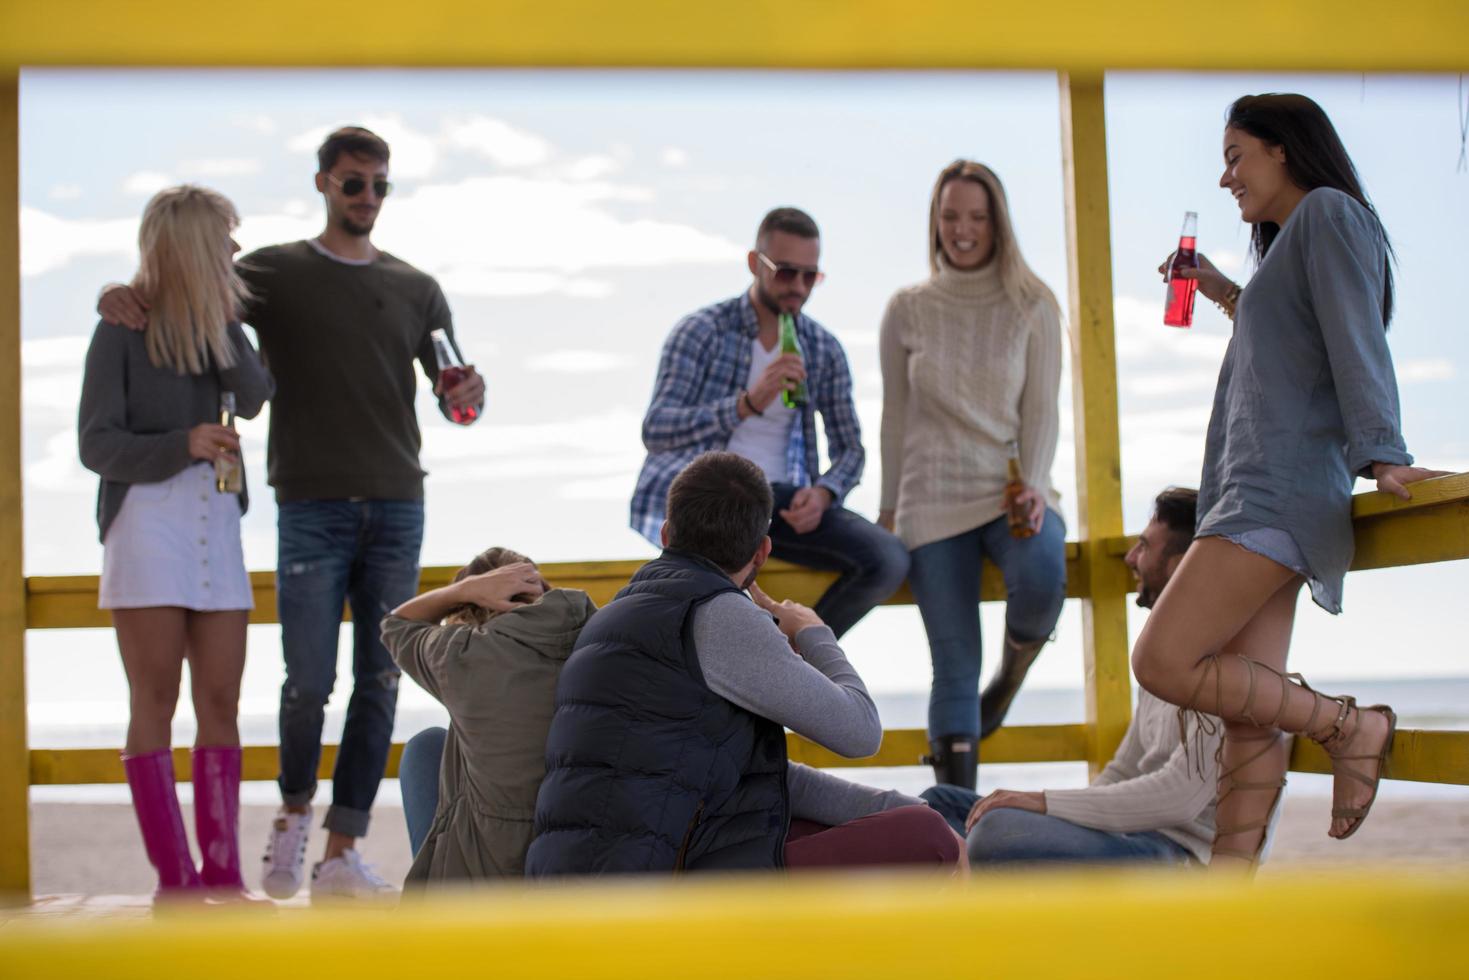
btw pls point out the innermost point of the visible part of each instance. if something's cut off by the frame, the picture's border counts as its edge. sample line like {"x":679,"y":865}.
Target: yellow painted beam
{"x":14,"y":782}
{"x":1426,"y":493}
{"x":1080,"y":35}
{"x":1417,"y":756}
{"x":70,"y":601}
{"x":1094,"y":400}
{"x":1369,"y":923}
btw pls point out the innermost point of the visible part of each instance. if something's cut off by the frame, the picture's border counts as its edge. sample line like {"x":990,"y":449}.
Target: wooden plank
{"x":14,"y":782}
{"x":1094,"y":394}
{"x":1322,"y":35}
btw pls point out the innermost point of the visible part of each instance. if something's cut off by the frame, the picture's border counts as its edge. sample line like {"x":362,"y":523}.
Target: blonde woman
{"x":173,"y":574}
{"x":490,"y":647}
{"x":971,"y":364}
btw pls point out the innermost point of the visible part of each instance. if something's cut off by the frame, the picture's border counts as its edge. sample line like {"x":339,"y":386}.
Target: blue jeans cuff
{"x":344,"y":820}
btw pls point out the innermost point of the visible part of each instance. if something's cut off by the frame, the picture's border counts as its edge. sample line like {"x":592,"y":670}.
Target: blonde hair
{"x":186,"y":272}
{"x":486,"y":561}
{"x":1019,"y":281}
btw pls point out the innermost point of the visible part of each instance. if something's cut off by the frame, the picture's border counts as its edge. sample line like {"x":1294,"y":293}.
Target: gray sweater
{"x":1307,"y":400}
{"x":746,"y":659}
{"x":134,"y":421}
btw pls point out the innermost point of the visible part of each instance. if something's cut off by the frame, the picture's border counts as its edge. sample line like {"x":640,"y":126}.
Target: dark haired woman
{"x":1306,"y":403}
{"x":490,"y":647}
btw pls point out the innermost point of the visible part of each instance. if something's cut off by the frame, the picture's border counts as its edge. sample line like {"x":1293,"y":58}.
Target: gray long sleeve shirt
{"x":1307,"y":399}
{"x":746,"y":659}
{"x":134,"y":420}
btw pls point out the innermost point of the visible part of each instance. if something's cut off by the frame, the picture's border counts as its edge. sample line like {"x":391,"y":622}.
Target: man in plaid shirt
{"x":718,"y":388}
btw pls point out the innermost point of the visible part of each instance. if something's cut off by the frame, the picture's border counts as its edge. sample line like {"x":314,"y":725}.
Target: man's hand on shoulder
{"x":790,"y":617}
{"x":123,"y":305}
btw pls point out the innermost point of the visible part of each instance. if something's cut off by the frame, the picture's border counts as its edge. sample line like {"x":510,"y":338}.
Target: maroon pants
{"x":906,"y":835}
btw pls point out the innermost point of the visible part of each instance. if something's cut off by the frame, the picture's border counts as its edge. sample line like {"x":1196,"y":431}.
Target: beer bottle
{"x":789,"y":344}
{"x":1014,"y":509}
{"x":229,"y":472}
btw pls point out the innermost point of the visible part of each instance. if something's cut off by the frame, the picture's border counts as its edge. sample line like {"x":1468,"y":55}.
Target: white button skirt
{"x":176,"y":543}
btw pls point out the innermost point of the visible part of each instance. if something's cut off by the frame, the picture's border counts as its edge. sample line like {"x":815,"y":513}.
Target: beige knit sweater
{"x":1153,"y":782}
{"x":964,"y":371}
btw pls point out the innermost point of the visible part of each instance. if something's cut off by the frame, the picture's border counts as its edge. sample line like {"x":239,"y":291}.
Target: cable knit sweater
{"x":1153,"y":782}
{"x":964,"y":371}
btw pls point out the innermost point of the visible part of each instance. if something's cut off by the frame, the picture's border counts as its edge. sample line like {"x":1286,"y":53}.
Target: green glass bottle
{"x":789,"y":344}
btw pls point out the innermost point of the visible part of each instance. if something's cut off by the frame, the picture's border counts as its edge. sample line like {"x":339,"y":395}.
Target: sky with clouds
{"x":572,"y":217}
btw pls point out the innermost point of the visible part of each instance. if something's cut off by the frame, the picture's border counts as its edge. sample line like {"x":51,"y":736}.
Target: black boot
{"x":954,"y":759}
{"x":994,"y":703}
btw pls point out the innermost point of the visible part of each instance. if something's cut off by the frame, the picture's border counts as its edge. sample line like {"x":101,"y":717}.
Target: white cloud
{"x":59,"y":469}
{"x":497,"y":141}
{"x":591,"y":168}
{"x":673,"y":156}
{"x":48,"y":242}
{"x":1426,"y":369}
{"x":476,"y":229}
{"x":1226,"y":261}
{"x":146,"y":183}
{"x":1171,"y":382}
{"x":65,"y":192}
{"x":578,"y":362}
{"x":221,"y":167}
{"x":53,"y":352}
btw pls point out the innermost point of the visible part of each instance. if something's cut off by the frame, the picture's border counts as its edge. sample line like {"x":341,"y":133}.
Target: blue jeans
{"x":872,"y":562}
{"x":945,"y":581}
{"x":362,"y":552}
{"x":418,"y":779}
{"x":1013,"y":836}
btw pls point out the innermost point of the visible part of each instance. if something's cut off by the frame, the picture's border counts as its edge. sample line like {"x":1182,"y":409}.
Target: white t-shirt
{"x":764,"y":439}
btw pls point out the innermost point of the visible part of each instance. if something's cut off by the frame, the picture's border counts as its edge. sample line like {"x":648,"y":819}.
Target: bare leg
{"x":1253,"y":760}
{"x":216,"y":663}
{"x":1181,"y":657}
{"x":152,"y":642}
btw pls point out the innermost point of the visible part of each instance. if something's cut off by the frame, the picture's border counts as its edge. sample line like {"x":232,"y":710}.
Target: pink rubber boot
{"x":217,"y":822}
{"x":150,"y":777}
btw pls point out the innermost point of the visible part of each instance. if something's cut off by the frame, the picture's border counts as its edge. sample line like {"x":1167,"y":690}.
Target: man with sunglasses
{"x":719,"y":384}
{"x":340,"y":324}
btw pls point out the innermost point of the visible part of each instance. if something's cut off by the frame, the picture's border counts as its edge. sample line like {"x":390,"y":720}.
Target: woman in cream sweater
{"x":971,"y":362}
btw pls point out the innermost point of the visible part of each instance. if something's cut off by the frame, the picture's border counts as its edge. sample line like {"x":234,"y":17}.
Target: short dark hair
{"x":719,"y":508}
{"x":354,"y":140}
{"x":1177,"y":509}
{"x":792,"y":221}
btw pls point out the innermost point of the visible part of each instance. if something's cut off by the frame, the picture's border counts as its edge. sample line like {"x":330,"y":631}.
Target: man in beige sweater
{"x":1154,"y":802}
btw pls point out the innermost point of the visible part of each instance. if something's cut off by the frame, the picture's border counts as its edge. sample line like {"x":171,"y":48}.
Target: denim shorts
{"x":1275,"y":544}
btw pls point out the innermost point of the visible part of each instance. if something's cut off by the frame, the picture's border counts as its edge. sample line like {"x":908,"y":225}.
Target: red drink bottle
{"x":451,"y":373}
{"x":1178,"y":310}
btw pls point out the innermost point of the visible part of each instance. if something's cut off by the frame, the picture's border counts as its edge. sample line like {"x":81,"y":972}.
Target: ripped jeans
{"x":331,"y":552}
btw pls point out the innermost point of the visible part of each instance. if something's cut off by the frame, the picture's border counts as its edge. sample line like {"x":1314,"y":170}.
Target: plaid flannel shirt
{"x":704,"y":367}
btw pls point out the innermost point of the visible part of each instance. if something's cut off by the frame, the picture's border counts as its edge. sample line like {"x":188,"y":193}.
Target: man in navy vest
{"x":667,"y":750}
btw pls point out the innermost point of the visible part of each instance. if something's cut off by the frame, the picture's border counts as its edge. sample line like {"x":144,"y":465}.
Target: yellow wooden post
{"x":15,"y":843}
{"x":1094,"y":398}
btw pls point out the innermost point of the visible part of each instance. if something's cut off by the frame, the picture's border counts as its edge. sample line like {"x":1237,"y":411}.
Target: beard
{"x":769,"y":300}
{"x":356,"y":228}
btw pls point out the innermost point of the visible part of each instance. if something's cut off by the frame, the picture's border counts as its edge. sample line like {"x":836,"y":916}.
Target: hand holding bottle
{"x":1212,"y":283}
{"x":780,"y":375}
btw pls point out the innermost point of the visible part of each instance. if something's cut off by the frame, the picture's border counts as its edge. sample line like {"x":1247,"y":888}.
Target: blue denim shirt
{"x":1307,"y":399}
{"x":704,"y":367}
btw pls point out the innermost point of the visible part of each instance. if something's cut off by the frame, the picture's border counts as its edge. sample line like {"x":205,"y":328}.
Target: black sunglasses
{"x":353,"y":186}
{"x":786,"y":274}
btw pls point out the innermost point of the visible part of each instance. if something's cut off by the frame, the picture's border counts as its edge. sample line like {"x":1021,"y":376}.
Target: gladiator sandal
{"x":1334,"y":738}
{"x":1229,"y":784}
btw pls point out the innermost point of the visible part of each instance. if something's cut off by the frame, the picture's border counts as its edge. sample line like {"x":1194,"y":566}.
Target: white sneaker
{"x":282,"y":868}
{"x":348,"y":876}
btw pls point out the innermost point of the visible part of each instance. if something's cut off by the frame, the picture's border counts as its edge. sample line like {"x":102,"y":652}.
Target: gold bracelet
{"x":1231,"y":299}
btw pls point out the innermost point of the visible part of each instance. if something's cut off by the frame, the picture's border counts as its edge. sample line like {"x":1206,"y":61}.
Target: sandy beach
{"x":93,"y":849}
